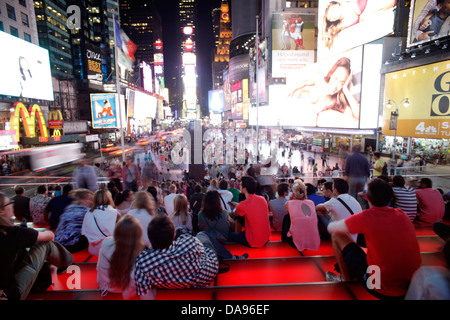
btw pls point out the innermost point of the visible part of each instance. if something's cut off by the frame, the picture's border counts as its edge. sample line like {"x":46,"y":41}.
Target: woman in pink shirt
{"x":300,"y":226}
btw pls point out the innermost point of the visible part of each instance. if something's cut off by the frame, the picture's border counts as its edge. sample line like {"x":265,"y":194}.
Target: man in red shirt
{"x":393,"y":253}
{"x":430,"y":202}
{"x":255,"y":211}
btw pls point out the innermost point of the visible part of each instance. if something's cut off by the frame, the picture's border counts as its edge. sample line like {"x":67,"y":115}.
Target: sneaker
{"x":332,"y":277}
{"x":244,"y":256}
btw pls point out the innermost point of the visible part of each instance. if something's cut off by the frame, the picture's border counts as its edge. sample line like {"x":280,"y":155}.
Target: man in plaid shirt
{"x":183,"y":262}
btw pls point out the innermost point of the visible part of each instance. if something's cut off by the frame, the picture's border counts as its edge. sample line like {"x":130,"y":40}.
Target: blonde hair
{"x":299,"y":190}
{"x":102,"y":197}
{"x":144,"y":200}
{"x":180,"y":204}
{"x":81,"y":194}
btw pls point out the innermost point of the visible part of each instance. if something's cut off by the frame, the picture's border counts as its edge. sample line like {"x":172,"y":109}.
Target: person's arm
{"x":45,"y":236}
{"x":150,"y":295}
{"x":321,"y":209}
{"x":353,"y":105}
{"x":338,"y":227}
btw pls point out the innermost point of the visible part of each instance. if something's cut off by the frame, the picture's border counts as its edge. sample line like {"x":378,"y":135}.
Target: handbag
{"x":360,"y":240}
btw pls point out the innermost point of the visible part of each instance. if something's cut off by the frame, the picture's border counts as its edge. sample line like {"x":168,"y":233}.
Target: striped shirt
{"x":405,"y":199}
{"x":187,"y":263}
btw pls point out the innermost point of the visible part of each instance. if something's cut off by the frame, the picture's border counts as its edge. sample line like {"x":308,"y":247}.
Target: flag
{"x":126,"y":46}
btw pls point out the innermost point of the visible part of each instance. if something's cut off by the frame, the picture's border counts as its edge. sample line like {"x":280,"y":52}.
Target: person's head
{"x":19,"y":191}
{"x":198,"y":188}
{"x":180,"y":204}
{"x":172,"y":188}
{"x":67,"y":189}
{"x":154,"y":193}
{"x":299,"y":190}
{"x":211,"y":205}
{"x":248,"y":184}
{"x":6,"y":210}
{"x":398,"y":181}
{"x":84,"y":197}
{"x":128,"y":195}
{"x":340,"y":186}
{"x":331,"y":23}
{"x":128,"y":245}
{"x":376,"y":155}
{"x":129,"y":160}
{"x":144,"y":200}
{"x":379,"y":193}
{"x":425,"y":183}
{"x":223,"y":184}
{"x":328,"y":189}
{"x":310,"y":189}
{"x":161,"y":232}
{"x":444,"y":8}
{"x":283,"y":189}
{"x":41,"y":189}
{"x":356,"y":148}
{"x":338,"y":75}
{"x":102,"y":197}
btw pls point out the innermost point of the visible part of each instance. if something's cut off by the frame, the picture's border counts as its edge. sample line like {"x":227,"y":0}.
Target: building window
{"x":14,"y":31}
{"x":25,"y":19}
{"x":23,"y":3}
{"x":11,"y":12}
{"x":26,"y":37}
{"x":1,"y":26}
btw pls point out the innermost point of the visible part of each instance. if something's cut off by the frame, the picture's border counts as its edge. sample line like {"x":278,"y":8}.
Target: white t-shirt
{"x":339,"y":211}
{"x":168,"y":202}
{"x":106,"y":221}
{"x":144,"y":218}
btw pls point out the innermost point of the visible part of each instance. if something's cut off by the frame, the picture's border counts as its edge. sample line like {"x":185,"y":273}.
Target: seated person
{"x":392,"y":248}
{"x":173,"y":262}
{"x":430,"y":202}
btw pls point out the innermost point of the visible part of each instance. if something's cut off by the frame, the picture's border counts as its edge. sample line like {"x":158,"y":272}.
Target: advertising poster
{"x":94,"y":63}
{"x":25,"y":69}
{"x":325,"y":94}
{"x":428,"y":21}
{"x":215,"y":101}
{"x":104,"y":111}
{"x":293,"y":42}
{"x":346,"y":24}
{"x":428,"y":92}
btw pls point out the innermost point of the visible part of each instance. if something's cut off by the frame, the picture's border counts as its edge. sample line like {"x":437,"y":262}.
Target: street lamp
{"x":393,"y":123}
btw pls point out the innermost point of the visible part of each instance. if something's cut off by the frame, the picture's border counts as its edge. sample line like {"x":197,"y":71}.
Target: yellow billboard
{"x":427,"y":89}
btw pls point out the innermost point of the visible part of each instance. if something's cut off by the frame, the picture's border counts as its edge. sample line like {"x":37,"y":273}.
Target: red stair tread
{"x":270,"y":271}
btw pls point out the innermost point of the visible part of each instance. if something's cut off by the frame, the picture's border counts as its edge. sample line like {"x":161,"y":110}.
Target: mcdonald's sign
{"x":28,"y":120}
{"x":55,"y":120}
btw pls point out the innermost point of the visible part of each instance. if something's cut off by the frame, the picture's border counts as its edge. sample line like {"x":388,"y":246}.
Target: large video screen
{"x":215,"y":101}
{"x":427,"y":90}
{"x":346,"y":24}
{"x":25,"y":69}
{"x":293,"y":42}
{"x":429,"y":20}
{"x":325,"y":94}
{"x":145,"y":105}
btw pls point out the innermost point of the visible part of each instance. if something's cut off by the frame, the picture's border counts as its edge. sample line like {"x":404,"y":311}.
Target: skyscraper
{"x":222,"y":36}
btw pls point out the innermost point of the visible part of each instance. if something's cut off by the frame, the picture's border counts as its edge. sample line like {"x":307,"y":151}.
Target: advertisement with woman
{"x":429,"y":20}
{"x":326,"y":94}
{"x":345,"y":24}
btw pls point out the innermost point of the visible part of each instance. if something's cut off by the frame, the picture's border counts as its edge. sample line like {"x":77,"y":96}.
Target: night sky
{"x":204,"y":45}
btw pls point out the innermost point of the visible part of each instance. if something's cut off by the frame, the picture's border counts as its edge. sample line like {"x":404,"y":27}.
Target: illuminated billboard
{"x":147,"y":76}
{"x":25,"y":69}
{"x":346,"y":24}
{"x":293,"y":42}
{"x":190,"y":87}
{"x":94,"y":64}
{"x":428,"y":21}
{"x":104,"y":110}
{"x":239,"y":100}
{"x":141,"y":105}
{"x":325,"y":94}
{"x":428,"y":93}
{"x":216,"y":101}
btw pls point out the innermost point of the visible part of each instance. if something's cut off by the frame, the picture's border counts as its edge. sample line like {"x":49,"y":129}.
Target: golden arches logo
{"x":28,"y":120}
{"x":55,"y":120}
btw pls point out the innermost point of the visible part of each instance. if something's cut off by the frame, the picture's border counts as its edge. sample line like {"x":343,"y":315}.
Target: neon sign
{"x":28,"y":120}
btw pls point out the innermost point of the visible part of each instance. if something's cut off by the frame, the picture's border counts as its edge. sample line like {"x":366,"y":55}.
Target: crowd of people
{"x":161,"y":233}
